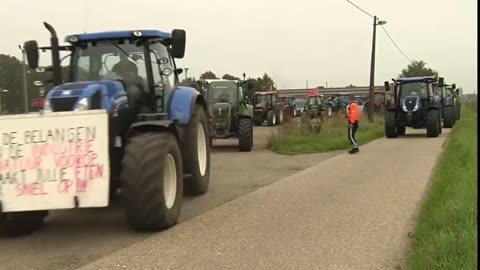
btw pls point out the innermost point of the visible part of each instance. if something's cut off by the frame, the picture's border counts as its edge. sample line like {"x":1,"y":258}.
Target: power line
{"x":362,"y":10}
{"x":395,"y":44}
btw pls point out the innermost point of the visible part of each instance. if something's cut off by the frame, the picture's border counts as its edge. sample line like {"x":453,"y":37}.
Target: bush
{"x":305,"y":135}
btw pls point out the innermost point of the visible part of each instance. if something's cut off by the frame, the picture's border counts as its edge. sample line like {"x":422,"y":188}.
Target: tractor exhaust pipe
{"x":57,"y":70}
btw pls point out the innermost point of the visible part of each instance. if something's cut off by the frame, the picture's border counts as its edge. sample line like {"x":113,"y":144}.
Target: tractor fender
{"x":154,"y":125}
{"x":181,"y":103}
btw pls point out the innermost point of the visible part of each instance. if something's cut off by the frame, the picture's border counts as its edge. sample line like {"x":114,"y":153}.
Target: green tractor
{"x":314,"y":106}
{"x":230,"y":113}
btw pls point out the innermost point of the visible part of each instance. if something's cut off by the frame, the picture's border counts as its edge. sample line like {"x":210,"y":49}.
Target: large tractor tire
{"x":196,"y":153}
{"x":21,"y":223}
{"x":271,"y":119}
{"x":152,"y":181}
{"x":279,"y":116}
{"x":433,"y":123}
{"x":391,"y":124}
{"x":448,"y":117}
{"x":245,"y":134}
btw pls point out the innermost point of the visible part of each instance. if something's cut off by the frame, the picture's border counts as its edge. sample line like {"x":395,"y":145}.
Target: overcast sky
{"x":293,"y":41}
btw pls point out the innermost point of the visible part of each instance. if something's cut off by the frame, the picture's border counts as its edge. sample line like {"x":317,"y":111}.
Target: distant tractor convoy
{"x":160,"y":133}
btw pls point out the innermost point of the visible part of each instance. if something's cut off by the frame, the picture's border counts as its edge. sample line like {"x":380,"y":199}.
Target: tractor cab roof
{"x":112,"y":35}
{"x":416,"y":79}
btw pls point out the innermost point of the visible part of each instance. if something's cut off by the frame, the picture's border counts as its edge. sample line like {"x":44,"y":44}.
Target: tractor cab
{"x":135,"y":66}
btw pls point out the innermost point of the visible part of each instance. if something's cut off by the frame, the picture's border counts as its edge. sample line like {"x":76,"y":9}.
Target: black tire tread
{"x":432,"y":123}
{"x":448,"y":117}
{"x":390,"y":124}
{"x":143,"y":195}
{"x":245,"y":134}
{"x":21,"y":223}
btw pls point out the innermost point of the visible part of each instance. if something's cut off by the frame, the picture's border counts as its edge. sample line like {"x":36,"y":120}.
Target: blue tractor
{"x":413,"y":103}
{"x":158,"y":131}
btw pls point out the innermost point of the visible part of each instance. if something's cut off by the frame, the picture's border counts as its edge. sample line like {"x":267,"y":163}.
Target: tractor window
{"x":222,"y":91}
{"x":108,"y":60}
{"x":240,"y":93}
{"x":414,"y":88}
{"x":161,"y":64}
{"x":83,"y":68}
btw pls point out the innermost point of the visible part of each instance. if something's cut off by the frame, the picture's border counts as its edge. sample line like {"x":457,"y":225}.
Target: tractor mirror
{"x":441,"y":80}
{"x":454,"y":86}
{"x":387,"y":86}
{"x":31,"y":49}
{"x":178,"y":43}
{"x":178,"y":71}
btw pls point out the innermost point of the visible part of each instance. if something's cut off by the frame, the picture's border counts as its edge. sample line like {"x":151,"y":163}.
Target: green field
{"x":298,"y":137}
{"x":446,"y":232}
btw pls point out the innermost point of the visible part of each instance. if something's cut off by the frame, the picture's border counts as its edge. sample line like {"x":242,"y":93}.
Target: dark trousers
{"x":352,"y":129}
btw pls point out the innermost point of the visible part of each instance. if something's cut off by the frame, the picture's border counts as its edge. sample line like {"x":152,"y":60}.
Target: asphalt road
{"x":72,"y":238}
{"x":349,"y":212}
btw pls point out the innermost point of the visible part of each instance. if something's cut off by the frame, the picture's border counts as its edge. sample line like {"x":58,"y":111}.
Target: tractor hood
{"x":107,"y":95}
{"x":411,"y":103}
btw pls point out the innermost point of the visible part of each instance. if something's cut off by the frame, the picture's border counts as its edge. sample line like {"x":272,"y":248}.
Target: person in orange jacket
{"x":353,"y":117}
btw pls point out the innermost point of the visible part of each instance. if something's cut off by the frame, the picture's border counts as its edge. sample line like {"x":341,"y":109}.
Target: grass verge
{"x":446,"y":231}
{"x":307,"y":136}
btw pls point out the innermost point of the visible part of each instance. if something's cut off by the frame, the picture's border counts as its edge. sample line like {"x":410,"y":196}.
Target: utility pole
{"x":186,"y":74}
{"x":25,"y":94}
{"x":371,"y":94}
{"x":326,"y":84}
{"x":307,"y":84}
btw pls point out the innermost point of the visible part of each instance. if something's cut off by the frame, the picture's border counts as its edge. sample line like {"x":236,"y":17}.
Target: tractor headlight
{"x":404,"y":107}
{"x":82,"y":105}
{"x":416,"y":107}
{"x":46,"y":106}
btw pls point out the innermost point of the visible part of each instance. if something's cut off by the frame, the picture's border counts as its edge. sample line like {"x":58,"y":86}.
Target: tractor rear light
{"x":137,"y":33}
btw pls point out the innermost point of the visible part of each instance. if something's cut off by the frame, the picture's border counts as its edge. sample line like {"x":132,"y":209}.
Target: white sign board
{"x":54,"y":160}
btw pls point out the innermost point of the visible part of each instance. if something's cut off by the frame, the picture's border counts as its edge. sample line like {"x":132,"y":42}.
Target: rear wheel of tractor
{"x":152,"y":181}
{"x":245,"y":134}
{"x":21,"y":223}
{"x":433,"y":121}
{"x":391,"y":125}
{"x":271,"y":119}
{"x":448,"y":117}
{"x":196,"y":153}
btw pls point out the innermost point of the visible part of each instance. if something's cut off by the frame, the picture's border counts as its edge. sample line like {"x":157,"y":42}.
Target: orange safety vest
{"x":352,"y":113}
